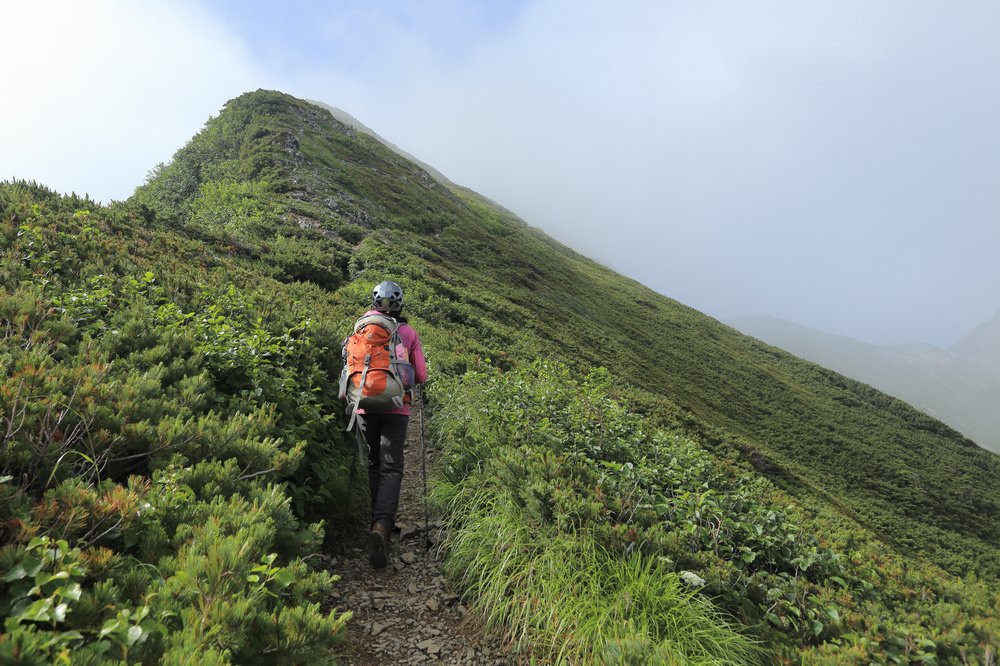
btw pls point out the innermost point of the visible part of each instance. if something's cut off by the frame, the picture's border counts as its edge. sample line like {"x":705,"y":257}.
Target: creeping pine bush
{"x":153,"y":435}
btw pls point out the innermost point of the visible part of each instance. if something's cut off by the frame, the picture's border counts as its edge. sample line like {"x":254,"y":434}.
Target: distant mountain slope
{"x":983,"y":343}
{"x":492,"y":287}
{"x":960,"y":386}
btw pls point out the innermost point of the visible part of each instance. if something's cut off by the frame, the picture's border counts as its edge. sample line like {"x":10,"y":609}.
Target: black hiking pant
{"x":385,"y":434}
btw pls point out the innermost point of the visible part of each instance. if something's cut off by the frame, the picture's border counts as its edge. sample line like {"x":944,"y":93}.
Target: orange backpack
{"x":377,"y":374}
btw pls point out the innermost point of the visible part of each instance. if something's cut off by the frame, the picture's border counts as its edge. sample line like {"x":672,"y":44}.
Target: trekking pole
{"x":423,"y":462}
{"x":355,"y":462}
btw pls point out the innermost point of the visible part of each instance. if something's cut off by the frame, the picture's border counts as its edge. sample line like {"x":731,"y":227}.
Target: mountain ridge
{"x":351,"y":121}
{"x":708,"y":370}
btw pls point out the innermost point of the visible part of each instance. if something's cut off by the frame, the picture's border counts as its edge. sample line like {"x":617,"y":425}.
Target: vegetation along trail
{"x":406,"y":613}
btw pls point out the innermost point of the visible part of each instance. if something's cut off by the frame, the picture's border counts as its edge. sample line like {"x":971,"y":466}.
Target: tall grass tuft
{"x":562,"y":600}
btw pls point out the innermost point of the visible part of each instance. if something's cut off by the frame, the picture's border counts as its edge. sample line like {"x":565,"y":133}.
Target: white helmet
{"x":387,"y":297}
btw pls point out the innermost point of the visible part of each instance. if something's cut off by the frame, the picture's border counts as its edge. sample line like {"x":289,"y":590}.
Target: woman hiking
{"x":383,"y":420}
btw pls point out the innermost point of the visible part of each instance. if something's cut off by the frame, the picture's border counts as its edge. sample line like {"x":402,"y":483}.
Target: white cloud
{"x":97,"y":93}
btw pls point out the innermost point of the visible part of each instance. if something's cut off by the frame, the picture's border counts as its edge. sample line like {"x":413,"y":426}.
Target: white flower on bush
{"x":692,"y":579}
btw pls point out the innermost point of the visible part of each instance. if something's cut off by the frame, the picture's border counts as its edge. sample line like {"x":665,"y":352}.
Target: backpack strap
{"x":364,"y":375}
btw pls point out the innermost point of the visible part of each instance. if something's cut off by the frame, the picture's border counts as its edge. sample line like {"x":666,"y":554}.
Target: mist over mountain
{"x":959,"y":385}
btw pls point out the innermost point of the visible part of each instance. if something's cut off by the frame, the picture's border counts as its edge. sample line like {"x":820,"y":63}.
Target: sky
{"x":833,"y":163}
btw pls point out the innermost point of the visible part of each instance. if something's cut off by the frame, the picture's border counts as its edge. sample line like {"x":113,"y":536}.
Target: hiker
{"x":381,"y":402}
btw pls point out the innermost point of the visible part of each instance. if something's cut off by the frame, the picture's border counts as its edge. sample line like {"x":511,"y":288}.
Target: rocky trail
{"x":406,"y":613}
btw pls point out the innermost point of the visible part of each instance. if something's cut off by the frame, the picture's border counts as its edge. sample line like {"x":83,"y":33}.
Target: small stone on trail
{"x":408,"y":531}
{"x":430,"y":646}
{"x":432,"y":604}
{"x":412,"y":589}
{"x":378,"y":628}
{"x":408,"y":557}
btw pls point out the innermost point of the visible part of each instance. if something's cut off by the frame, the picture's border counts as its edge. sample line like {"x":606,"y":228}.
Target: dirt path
{"x":406,"y":613}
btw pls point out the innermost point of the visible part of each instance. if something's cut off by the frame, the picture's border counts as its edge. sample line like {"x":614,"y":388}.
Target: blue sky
{"x":296,"y":34}
{"x":832,"y":163}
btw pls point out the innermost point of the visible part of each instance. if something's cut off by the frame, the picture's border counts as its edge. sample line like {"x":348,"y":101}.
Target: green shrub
{"x":157,"y":426}
{"x":547,"y":474}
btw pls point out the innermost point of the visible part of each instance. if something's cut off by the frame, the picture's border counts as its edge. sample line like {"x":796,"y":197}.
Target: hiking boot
{"x":378,"y":545}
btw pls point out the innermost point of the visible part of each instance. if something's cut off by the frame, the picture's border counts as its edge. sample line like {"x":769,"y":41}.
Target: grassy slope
{"x":493,"y":287}
{"x":922,"y":486}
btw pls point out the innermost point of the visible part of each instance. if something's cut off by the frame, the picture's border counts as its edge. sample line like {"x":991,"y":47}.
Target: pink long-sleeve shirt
{"x":411,"y":341}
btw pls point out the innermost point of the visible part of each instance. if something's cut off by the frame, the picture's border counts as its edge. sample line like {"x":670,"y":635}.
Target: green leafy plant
{"x":41,"y":586}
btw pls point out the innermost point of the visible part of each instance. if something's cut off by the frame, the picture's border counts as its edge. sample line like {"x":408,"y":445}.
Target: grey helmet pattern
{"x":387,"y":297}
